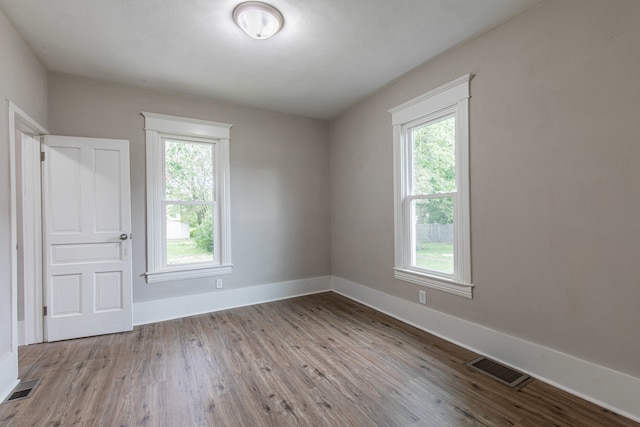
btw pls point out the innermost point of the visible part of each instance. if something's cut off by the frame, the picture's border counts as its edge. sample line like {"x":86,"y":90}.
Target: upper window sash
{"x":185,"y":140}
{"x":408,"y":143}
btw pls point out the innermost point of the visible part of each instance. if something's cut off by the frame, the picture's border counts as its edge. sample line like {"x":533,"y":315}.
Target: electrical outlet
{"x":422,"y":295}
{"x":218,"y":283}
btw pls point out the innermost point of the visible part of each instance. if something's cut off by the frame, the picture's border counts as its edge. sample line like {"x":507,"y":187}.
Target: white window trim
{"x":448,"y":98}
{"x":158,"y":127}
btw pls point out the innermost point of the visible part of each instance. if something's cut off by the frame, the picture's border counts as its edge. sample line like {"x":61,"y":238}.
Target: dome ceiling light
{"x":259,"y":20}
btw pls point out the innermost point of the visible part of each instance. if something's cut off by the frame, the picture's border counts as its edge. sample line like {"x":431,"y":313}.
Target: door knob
{"x":124,"y":237}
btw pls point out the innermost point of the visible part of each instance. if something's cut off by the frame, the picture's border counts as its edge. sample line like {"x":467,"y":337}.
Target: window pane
{"x":189,"y":236}
{"x":188,"y":171}
{"x":434,"y":157}
{"x":433,"y":234}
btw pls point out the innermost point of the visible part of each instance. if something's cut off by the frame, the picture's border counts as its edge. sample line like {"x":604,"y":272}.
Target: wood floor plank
{"x":319,"y":360}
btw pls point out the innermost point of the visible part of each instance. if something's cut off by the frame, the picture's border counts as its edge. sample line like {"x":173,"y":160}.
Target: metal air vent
{"x":497,"y":371}
{"x":23,"y":390}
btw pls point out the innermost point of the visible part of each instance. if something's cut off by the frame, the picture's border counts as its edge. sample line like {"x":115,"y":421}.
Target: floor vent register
{"x":23,"y":390}
{"x":499,"y":372}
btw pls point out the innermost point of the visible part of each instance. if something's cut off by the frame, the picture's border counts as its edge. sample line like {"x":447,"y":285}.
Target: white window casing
{"x":449,"y":100}
{"x":158,"y":128}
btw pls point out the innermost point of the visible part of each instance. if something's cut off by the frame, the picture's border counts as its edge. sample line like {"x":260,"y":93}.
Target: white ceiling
{"x":329,"y":55}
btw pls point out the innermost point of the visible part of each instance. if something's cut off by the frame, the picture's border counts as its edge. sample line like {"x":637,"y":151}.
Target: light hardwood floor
{"x":319,"y":360}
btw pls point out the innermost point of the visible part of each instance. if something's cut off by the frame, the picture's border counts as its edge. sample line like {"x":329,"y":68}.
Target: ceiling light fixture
{"x":259,"y":20}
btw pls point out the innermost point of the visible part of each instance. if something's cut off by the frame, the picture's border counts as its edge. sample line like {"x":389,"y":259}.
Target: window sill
{"x":435,"y":282}
{"x":188,"y":273}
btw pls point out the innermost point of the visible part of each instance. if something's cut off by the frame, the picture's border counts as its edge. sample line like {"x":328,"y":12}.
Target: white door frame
{"x":29,"y":206}
{"x":21,"y":121}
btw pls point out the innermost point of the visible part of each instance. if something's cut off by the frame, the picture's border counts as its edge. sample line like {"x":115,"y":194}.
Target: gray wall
{"x":279,"y":179}
{"x":555,"y":180}
{"x":23,"y":80}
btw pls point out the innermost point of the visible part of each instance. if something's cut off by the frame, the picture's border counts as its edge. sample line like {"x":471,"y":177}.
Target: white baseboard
{"x":610,"y":389}
{"x":8,"y":374}
{"x":190,"y":305}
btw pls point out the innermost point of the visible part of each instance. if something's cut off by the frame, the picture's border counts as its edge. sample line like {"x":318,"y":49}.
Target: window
{"x":188,"y":230}
{"x":431,"y":184}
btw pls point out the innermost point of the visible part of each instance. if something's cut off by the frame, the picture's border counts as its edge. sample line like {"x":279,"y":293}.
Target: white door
{"x":87,"y":243}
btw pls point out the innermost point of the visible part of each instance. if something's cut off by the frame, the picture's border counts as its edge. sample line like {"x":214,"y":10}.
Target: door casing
{"x":30,"y":238}
{"x":18,"y":121}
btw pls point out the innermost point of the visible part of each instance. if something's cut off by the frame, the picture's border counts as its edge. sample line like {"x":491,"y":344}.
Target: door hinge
{"x":42,"y":156}
{"x":44,"y":310}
